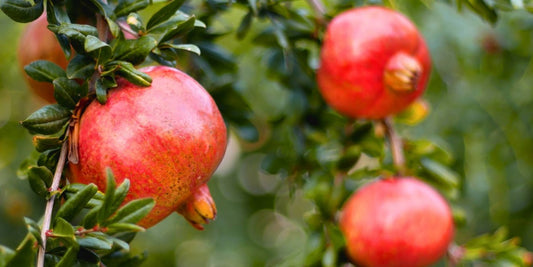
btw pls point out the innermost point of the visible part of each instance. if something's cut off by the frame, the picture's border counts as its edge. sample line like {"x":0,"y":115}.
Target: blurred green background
{"x":481,"y":99}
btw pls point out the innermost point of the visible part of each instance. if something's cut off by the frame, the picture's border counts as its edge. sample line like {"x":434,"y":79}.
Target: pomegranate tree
{"x":397,"y":222}
{"x":167,"y":138}
{"x":374,"y":63}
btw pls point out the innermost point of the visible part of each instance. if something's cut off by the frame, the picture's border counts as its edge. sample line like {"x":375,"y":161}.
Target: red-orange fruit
{"x":374,"y":63}
{"x":167,"y":138}
{"x":37,"y":42}
{"x":396,"y":222}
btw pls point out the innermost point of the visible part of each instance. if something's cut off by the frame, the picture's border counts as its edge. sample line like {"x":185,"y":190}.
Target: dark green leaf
{"x":95,"y":243}
{"x":40,"y":179}
{"x":253,"y":6}
{"x":120,"y":243}
{"x":128,"y":71}
{"x":80,"y":67}
{"x":124,"y":227}
{"x":134,"y":211}
{"x":25,"y":255}
{"x":98,"y":49}
{"x":441,"y":173}
{"x":101,"y":91}
{"x":129,"y":6}
{"x":179,"y":30}
{"x":49,"y":159}
{"x":135,"y":22}
{"x":164,"y":13}
{"x":47,"y":120}
{"x":246,"y":22}
{"x":33,"y":229}
{"x":107,"y":11}
{"x":68,"y":92}
{"x":75,"y":30}
{"x":135,"y":50}
{"x":44,"y":71}
{"x":69,"y":258}
{"x":21,"y":10}
{"x":90,"y":219}
{"x":75,"y":203}
{"x":187,"y":47}
{"x":109,"y":196}
{"x":63,"y":229}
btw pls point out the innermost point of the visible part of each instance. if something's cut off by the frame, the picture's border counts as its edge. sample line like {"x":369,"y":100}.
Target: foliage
{"x":258,"y":60}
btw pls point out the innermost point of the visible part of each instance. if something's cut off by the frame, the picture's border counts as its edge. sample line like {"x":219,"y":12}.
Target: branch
{"x":396,"y":146}
{"x":50,"y":204}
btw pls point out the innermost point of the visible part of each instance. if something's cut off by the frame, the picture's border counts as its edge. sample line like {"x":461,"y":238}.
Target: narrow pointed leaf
{"x":21,"y":10}
{"x":123,"y":227}
{"x":101,"y":91}
{"x":90,"y":219}
{"x":46,"y":142}
{"x":76,"y":202}
{"x":246,"y":22}
{"x":95,"y":243}
{"x":108,"y":198}
{"x":128,"y":71}
{"x":164,"y":13}
{"x":134,"y":211}
{"x":120,"y":243}
{"x":180,"y":30}
{"x":44,"y":71}
{"x":33,"y":229}
{"x":67,"y":92}
{"x":98,"y":49}
{"x":126,"y":7}
{"x":5,"y":255}
{"x":441,"y":173}
{"x":186,"y":47}
{"x":69,"y":258}
{"x":47,"y":120}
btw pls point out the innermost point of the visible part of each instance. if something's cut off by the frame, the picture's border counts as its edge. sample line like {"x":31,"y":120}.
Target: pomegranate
{"x":374,"y":63}
{"x":396,"y":222}
{"x":37,"y":42}
{"x":167,"y":138}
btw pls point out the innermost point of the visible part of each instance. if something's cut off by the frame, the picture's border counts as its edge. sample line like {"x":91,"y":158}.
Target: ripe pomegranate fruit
{"x":396,"y":222}
{"x":374,"y":63}
{"x":167,"y":138}
{"x":37,"y":42}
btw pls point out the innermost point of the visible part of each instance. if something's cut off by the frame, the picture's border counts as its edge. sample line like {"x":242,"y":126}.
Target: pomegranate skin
{"x":37,"y":42}
{"x":167,"y":138}
{"x":360,"y":47}
{"x":396,"y":222}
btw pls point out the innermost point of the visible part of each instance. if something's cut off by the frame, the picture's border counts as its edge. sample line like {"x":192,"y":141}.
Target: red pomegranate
{"x":37,"y":42}
{"x":396,"y":222}
{"x":374,"y":63}
{"x":167,"y":138}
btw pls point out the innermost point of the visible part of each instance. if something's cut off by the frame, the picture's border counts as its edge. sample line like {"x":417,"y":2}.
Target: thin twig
{"x":50,"y":204}
{"x":396,"y":146}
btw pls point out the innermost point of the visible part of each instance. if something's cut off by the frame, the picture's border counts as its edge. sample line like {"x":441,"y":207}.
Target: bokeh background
{"x":481,"y":97}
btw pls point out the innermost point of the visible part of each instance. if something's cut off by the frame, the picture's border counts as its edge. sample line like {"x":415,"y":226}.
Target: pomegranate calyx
{"x":199,"y":208}
{"x":402,"y":73}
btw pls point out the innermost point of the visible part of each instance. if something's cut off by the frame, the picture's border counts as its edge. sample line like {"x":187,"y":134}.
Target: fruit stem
{"x":50,"y":204}
{"x":396,"y":146}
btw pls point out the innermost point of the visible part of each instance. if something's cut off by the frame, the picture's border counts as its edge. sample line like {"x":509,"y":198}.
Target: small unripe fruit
{"x":396,"y":222}
{"x":167,"y":138}
{"x":37,"y":42}
{"x":374,"y":63}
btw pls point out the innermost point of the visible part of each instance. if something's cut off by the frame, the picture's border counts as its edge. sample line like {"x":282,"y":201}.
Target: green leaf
{"x":107,"y":11}
{"x":180,"y":30}
{"x":129,"y":6}
{"x":33,"y":229}
{"x":26,"y":253}
{"x":187,"y":47}
{"x":40,"y":179}
{"x":123,"y":227}
{"x":253,"y":6}
{"x":98,"y":49}
{"x":75,"y":203}
{"x":128,"y":71}
{"x":21,"y":10}
{"x":47,"y":120}
{"x":49,"y":159}
{"x":101,"y":91}
{"x":91,"y":218}
{"x":135,"y":50}
{"x":69,"y":258}
{"x":44,"y":71}
{"x":441,"y":173}
{"x":80,"y":67}
{"x":244,"y":27}
{"x":120,"y":243}
{"x":68,"y":92}
{"x":134,"y":211}
{"x":95,"y":243}
{"x":46,"y":142}
{"x":164,"y":13}
{"x":5,"y":255}
{"x":109,"y":196}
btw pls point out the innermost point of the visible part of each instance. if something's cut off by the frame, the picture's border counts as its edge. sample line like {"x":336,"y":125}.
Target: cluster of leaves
{"x":89,"y":227}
